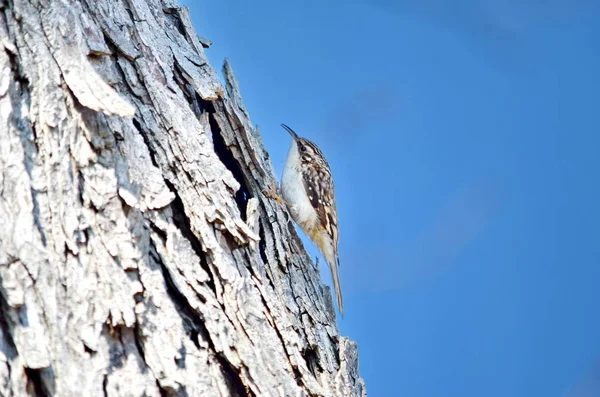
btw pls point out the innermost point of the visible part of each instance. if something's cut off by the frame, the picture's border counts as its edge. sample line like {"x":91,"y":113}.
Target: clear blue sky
{"x":464,"y":144}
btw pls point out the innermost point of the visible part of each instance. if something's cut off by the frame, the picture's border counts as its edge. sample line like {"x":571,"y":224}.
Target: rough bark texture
{"x":138,"y":256}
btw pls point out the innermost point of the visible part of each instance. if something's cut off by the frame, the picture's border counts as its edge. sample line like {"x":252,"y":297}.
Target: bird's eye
{"x":303,"y":148}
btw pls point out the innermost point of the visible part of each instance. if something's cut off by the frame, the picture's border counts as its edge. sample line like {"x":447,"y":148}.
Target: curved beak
{"x":292,"y":133}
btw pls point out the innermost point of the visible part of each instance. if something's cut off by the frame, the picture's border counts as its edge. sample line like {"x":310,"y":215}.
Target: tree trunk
{"x":138,"y":254}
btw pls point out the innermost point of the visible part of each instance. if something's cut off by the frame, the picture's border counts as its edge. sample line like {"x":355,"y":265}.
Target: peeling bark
{"x":138,"y":256}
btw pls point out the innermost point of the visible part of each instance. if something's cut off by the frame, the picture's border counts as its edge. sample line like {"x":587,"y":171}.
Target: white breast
{"x":294,"y":193}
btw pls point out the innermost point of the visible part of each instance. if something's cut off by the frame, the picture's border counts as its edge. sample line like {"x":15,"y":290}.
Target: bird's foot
{"x":273,"y":193}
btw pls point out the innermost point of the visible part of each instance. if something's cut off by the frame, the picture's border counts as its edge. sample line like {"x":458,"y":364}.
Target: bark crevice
{"x":193,"y":323}
{"x":182,"y":222}
{"x":40,"y":381}
{"x":227,"y":158}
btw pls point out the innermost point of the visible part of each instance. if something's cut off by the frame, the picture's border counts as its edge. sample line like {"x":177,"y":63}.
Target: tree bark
{"x":138,"y":254}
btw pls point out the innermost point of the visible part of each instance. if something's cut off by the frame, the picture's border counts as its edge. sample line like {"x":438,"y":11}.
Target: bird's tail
{"x":334,"y":266}
{"x":329,"y":251}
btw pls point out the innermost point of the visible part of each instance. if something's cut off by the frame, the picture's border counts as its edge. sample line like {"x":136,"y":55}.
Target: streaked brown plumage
{"x":307,"y":187}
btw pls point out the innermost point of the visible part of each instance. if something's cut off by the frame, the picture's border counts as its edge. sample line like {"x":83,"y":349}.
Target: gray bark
{"x":138,"y":255}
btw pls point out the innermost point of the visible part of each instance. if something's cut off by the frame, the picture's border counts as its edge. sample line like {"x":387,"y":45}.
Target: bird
{"x":308,"y":192}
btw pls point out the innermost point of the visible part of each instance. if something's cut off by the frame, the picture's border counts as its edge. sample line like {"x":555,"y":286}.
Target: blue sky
{"x":464,"y":144}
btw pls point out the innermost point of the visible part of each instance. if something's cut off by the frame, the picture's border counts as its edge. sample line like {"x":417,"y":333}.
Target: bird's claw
{"x":273,"y":193}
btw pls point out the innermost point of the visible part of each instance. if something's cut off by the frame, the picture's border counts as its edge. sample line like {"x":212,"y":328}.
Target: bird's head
{"x":307,"y":151}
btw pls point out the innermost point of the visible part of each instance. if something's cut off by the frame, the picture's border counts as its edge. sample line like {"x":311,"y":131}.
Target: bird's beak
{"x":292,"y":133}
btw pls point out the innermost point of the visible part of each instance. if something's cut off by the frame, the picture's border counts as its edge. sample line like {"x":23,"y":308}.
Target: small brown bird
{"x":307,"y":188}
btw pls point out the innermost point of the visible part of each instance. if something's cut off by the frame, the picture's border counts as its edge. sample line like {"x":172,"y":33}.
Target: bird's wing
{"x":318,"y":185}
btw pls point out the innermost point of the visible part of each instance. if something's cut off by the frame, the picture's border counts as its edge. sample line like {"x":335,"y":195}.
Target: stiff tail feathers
{"x":334,"y":265}
{"x":329,"y":251}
